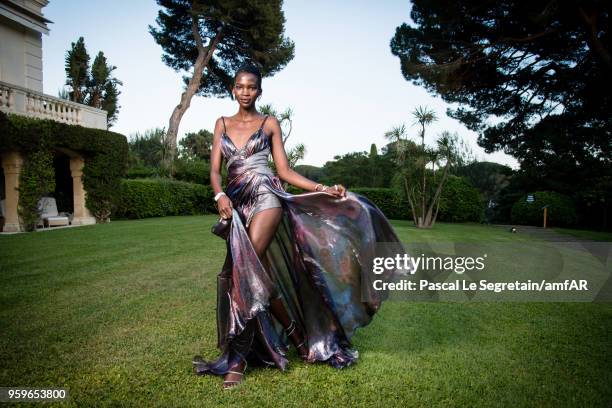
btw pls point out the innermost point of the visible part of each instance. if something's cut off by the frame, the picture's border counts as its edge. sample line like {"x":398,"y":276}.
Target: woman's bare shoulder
{"x":272,"y":122}
{"x":219,"y":125}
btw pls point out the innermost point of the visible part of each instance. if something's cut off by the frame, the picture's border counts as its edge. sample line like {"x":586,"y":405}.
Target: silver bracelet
{"x":218,"y":195}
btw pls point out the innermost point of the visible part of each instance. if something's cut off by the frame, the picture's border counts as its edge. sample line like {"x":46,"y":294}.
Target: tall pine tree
{"x":209,"y":40}
{"x":96,"y":87}
{"x":77,"y":70}
{"x":533,"y":78}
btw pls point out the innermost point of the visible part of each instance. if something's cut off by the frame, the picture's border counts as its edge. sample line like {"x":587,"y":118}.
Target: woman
{"x":294,"y":263}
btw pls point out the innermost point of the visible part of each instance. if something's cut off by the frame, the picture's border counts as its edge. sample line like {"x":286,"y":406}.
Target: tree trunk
{"x":410,"y":201}
{"x":433,"y":221}
{"x":436,"y":198}
{"x":424,"y":192}
{"x":435,"y":217}
{"x":590,"y":20}
{"x":95,"y":99}
{"x":204,"y":56}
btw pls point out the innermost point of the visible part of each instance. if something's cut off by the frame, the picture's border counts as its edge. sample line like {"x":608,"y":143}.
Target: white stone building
{"x":22,"y":25}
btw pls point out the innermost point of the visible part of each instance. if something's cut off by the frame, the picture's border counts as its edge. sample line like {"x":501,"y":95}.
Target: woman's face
{"x":246,"y":89}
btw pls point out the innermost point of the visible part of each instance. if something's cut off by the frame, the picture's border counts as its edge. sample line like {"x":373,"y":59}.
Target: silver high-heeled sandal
{"x":289,"y":330}
{"x":236,"y":382}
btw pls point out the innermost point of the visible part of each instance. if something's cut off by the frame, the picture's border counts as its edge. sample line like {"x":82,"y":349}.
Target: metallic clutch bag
{"x":222,"y":227}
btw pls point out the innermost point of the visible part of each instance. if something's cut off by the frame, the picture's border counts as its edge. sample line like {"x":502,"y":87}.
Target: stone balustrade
{"x":23,"y":101}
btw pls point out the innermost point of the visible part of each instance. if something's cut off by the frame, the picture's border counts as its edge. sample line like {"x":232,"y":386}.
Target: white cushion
{"x":56,"y":218}
{"x":47,"y":207}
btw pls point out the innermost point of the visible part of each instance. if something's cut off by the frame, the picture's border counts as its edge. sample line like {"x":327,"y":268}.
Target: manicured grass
{"x":115,"y":313}
{"x":585,"y":234}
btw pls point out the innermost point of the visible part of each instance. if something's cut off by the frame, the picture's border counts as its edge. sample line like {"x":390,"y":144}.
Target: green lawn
{"x":592,"y":235}
{"x":115,"y":313}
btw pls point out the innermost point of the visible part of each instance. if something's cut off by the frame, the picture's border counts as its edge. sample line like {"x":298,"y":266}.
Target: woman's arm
{"x":281,"y":163}
{"x":224,"y":204}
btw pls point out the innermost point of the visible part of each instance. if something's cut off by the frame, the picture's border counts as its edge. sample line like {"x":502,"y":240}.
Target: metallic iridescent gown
{"x":316,"y":257}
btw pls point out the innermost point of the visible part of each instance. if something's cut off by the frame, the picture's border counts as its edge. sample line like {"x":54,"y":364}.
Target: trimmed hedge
{"x":158,"y":197}
{"x":460,"y":201}
{"x":389,"y":202}
{"x":140,"y":171}
{"x":193,"y":171}
{"x":142,"y":198}
{"x":561,"y":211}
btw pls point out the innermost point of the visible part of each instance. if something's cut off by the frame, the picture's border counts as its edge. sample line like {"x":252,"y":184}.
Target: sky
{"x":344,"y":86}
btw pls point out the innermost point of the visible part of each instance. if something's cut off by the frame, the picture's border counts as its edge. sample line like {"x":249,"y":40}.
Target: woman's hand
{"x":337,"y":189}
{"x":224,"y":205}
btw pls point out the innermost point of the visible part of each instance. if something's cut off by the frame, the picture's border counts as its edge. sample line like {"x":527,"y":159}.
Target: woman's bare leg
{"x":261,"y":232}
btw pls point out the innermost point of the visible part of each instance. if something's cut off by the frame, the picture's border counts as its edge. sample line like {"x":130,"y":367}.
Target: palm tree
{"x":424,"y":117}
{"x":412,"y":161}
{"x":407,"y":158}
{"x":447,"y":143}
{"x":285,"y":120}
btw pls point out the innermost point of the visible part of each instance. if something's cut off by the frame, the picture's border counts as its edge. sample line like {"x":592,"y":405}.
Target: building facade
{"x":22,"y":25}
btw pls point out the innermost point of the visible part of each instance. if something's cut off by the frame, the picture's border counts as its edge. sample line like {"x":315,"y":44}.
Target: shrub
{"x":141,"y":171}
{"x":142,"y":198}
{"x":460,"y":202}
{"x":561,"y":211}
{"x":36,"y":179}
{"x":192,"y":170}
{"x":389,"y":202}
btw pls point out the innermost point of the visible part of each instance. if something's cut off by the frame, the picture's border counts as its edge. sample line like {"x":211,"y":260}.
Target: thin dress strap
{"x":224,"y":129}
{"x":264,"y":121}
